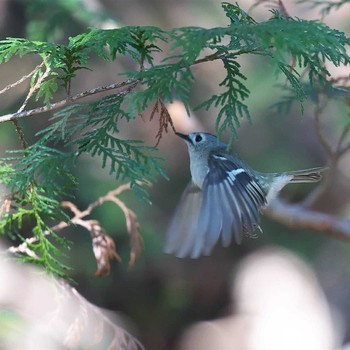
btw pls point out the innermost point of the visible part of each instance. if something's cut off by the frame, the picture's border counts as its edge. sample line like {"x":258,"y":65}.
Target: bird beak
{"x":183,"y":136}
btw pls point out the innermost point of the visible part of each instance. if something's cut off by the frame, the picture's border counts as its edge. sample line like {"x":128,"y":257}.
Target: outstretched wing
{"x":232,"y":200}
{"x":181,"y":238}
{"x":229,"y":202}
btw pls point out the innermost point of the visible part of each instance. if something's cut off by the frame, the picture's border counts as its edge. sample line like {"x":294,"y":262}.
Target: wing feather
{"x":181,"y":234}
{"x":215,"y":221}
{"x":235,"y":201}
{"x":235,"y":212}
{"x":228,"y":215}
{"x":228,"y":203}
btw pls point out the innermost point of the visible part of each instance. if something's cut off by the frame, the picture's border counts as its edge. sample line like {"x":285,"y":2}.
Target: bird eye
{"x":198,"y":138}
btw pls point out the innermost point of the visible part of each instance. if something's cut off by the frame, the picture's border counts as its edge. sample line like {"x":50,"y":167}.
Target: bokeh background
{"x":279,"y":279}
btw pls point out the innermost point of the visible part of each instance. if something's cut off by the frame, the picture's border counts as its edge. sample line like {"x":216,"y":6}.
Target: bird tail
{"x":279,"y":180}
{"x":306,"y":175}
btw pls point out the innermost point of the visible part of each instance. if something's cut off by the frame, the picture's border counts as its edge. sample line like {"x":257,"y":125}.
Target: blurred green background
{"x":162,"y":295}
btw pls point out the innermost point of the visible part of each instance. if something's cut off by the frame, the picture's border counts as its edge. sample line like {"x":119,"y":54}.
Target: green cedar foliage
{"x":39,"y":176}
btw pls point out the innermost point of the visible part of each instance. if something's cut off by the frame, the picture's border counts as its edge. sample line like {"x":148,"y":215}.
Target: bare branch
{"x":20,"y":133}
{"x":24,"y":78}
{"x":35,"y":88}
{"x":296,"y":215}
{"x":131,"y":84}
{"x":103,"y":245}
{"x":133,"y":227}
{"x":24,"y":248}
{"x":31,"y":92}
{"x":334,"y":153}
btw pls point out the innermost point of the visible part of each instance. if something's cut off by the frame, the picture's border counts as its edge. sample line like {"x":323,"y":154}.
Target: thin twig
{"x":77,"y":219}
{"x":132,"y":83}
{"x":334,"y":154}
{"x":132,"y":227}
{"x":314,"y":196}
{"x":35,"y":88}
{"x":24,"y":78}
{"x":20,"y":133}
{"x":50,"y":107}
{"x":23,"y":248}
{"x":31,"y":92}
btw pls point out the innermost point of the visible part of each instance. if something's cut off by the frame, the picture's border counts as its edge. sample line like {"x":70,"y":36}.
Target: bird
{"x":224,"y":197}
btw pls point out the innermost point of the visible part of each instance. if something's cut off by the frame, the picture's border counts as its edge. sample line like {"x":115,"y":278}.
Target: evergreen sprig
{"x":39,"y":166}
{"x":168,"y":82}
{"x":134,"y":41}
{"x":231,"y":100}
{"x":310,"y":44}
{"x":92,"y":128}
{"x":34,"y":204}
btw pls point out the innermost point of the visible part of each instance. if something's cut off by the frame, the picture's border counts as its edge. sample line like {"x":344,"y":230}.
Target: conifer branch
{"x":129,"y":84}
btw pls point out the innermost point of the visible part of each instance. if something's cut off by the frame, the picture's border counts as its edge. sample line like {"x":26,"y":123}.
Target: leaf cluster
{"x":37,"y":178}
{"x":93,"y":128}
{"x":292,"y":45}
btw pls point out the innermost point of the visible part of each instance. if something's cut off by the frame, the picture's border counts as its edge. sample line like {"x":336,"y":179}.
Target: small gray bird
{"x":224,"y":197}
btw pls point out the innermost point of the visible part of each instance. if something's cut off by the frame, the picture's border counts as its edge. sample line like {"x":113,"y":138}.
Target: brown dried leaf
{"x":104,"y":249}
{"x":136,"y":240}
{"x":155,"y":110}
{"x":164,"y":119}
{"x":137,"y":245}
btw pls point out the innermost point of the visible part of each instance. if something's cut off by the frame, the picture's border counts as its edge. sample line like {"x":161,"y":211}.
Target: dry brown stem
{"x":103,"y":245}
